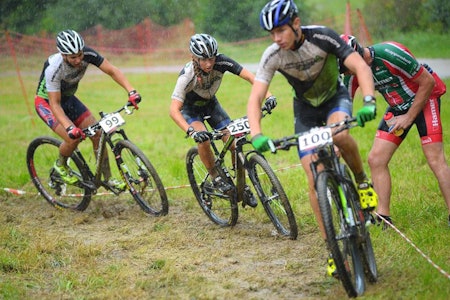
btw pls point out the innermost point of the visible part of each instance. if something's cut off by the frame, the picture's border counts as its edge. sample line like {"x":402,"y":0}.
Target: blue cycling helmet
{"x":277,"y":13}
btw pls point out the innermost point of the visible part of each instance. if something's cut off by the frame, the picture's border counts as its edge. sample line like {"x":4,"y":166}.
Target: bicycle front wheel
{"x":272,"y":196}
{"x":142,"y":179}
{"x":341,"y":238}
{"x":41,"y":156}
{"x":220,"y":208}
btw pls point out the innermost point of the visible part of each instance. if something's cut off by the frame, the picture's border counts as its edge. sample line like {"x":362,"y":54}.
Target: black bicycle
{"x":232,"y":165}
{"x":135,"y":169}
{"x":345,"y":222}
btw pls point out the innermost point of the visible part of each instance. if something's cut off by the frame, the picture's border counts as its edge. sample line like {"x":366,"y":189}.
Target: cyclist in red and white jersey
{"x":306,"y":57}
{"x":413,"y":92}
{"x":61,"y":110}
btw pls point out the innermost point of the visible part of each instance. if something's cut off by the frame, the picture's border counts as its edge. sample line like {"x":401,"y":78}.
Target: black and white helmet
{"x":277,"y":13}
{"x":69,"y":42}
{"x":203,"y":45}
{"x":353,"y":43}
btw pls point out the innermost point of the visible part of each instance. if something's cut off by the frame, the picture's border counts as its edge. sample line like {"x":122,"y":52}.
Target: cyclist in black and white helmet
{"x":203,"y":46}
{"x":69,"y":42}
{"x":194,"y":97}
{"x":306,"y":57}
{"x":57,"y":105}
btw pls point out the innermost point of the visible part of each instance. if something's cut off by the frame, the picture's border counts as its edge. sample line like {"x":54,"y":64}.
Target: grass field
{"x":113,"y":250}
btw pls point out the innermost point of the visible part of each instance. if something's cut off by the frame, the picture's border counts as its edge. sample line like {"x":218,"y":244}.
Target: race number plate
{"x":111,"y":122}
{"x":239,"y":126}
{"x":315,"y":138}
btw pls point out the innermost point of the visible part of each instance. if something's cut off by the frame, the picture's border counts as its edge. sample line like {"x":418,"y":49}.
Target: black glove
{"x":200,"y":136}
{"x":271,"y":103}
{"x":133,"y":99}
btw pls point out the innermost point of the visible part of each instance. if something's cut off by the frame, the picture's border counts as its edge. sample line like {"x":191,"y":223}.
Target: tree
{"x":23,"y":15}
{"x":440,"y":12}
{"x":386,"y":16}
{"x":235,"y":20}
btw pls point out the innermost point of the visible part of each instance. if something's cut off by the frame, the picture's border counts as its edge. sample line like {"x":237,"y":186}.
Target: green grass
{"x":47,"y":253}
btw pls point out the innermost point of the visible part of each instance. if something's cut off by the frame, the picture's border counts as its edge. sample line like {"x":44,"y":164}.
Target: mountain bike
{"x":235,"y":166}
{"x":345,"y":222}
{"x":135,"y":169}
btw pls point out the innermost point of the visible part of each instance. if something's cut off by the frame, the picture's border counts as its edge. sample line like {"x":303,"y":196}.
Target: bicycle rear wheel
{"x":41,"y":156}
{"x":142,"y":179}
{"x":341,"y":240}
{"x":365,"y":242}
{"x":272,"y":196}
{"x":220,"y":208}
{"x":370,"y":265}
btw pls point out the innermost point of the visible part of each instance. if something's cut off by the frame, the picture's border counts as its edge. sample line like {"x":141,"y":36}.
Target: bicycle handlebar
{"x":285,"y":143}
{"x":92,"y":129}
{"x":217,"y":134}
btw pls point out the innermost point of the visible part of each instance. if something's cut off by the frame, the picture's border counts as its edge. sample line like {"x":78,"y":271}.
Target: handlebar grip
{"x":273,"y":149}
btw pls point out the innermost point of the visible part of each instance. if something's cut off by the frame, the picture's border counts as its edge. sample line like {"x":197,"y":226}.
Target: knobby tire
{"x":340,"y":241}
{"x":365,"y":244}
{"x":41,"y":156}
{"x":272,"y":196}
{"x":220,"y":209}
{"x":142,"y":179}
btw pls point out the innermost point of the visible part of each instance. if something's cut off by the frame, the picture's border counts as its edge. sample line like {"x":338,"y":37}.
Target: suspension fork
{"x":239,"y":165}
{"x":101,"y":157}
{"x":221,"y":155}
{"x":346,"y":210}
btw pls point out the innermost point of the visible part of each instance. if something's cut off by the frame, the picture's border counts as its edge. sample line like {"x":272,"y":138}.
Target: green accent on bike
{"x":124,"y":168}
{"x":65,"y":173}
{"x":345,"y":209}
{"x":117,"y":184}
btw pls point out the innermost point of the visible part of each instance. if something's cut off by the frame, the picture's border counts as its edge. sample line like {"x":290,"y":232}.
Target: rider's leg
{"x":436,"y":160}
{"x":306,"y":161}
{"x":348,"y":148}
{"x":379,"y":157}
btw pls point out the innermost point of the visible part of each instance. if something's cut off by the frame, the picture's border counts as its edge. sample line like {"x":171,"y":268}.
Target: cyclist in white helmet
{"x":194,"y":97}
{"x":61,"y":110}
{"x":306,"y":57}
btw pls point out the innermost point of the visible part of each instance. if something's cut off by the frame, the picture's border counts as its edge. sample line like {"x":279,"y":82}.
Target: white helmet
{"x":69,"y":42}
{"x":203,"y":45}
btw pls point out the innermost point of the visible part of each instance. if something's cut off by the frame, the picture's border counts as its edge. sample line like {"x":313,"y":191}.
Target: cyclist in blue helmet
{"x":306,"y":56}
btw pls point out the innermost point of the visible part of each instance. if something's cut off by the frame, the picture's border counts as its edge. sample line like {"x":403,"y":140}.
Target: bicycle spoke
{"x":272,"y":196}
{"x":221,"y":209}
{"x":142,"y":179}
{"x":41,"y":155}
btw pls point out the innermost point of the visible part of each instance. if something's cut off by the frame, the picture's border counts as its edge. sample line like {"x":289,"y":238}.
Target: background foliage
{"x":230,"y":20}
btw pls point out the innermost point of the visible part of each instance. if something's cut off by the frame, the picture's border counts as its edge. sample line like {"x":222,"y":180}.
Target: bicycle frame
{"x":327,"y":157}
{"x":326,"y":160}
{"x":105,"y":138}
{"x":239,"y":157}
